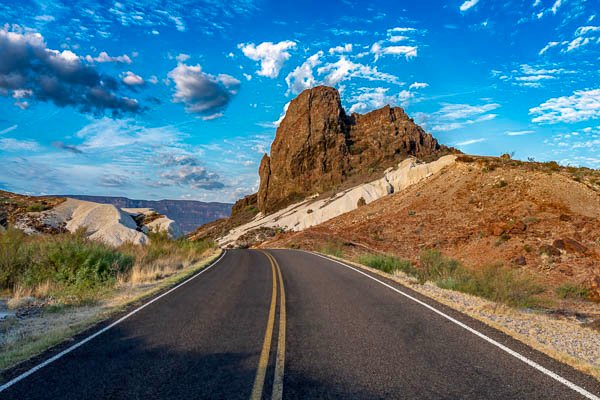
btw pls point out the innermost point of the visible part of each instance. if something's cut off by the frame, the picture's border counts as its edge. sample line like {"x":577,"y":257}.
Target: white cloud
{"x":548,"y":47}
{"x":302,"y":77}
{"x":372,"y":98}
{"x":10,"y":144}
{"x":131,"y":79}
{"x":455,"y":116}
{"x":532,"y":76}
{"x":556,"y":6}
{"x":103,"y":57}
{"x":202,"y":93}
{"x":347,"y":48}
{"x":247,"y":76}
{"x":271,"y":55}
{"x":407,"y":51}
{"x":344,"y":69}
{"x":518,"y":133}
{"x":469,"y":142}
{"x":468,"y":5}
{"x":212,"y":116}
{"x":582,"y":105}
{"x":9,"y":129}
{"x":182,"y":57}
{"x":418,"y":85}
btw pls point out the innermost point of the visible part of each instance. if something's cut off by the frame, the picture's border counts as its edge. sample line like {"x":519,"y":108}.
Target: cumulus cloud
{"x":582,"y":37}
{"x":131,"y":79}
{"x":370,"y":99}
{"x":103,"y":57}
{"x":467,"y":5}
{"x":407,"y":51}
{"x":302,"y":76}
{"x":196,"y":177}
{"x":29,"y":69}
{"x":344,"y":69}
{"x":418,"y":85}
{"x":582,"y":105}
{"x":271,"y":55}
{"x":202,"y":93}
{"x":346,"y":48}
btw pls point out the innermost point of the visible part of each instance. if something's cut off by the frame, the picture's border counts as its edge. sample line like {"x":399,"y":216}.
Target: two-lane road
{"x":294,"y":324}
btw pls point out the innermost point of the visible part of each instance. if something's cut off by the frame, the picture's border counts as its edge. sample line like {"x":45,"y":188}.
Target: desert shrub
{"x":67,"y":264}
{"x":493,"y":282}
{"x":572,"y":291}
{"x":386,"y":263}
{"x":74,"y":268}
{"x":361,"y":202}
{"x":333,"y":248}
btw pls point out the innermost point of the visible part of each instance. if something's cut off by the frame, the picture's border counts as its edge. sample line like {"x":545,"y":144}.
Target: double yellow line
{"x":259,"y":381}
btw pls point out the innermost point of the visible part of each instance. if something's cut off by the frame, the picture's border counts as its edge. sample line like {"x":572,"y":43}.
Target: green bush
{"x":332,"y":248}
{"x":572,"y":291}
{"x":386,"y":263}
{"x":494,"y":282}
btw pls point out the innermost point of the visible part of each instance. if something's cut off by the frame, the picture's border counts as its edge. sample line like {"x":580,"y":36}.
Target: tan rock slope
{"x":537,"y":217}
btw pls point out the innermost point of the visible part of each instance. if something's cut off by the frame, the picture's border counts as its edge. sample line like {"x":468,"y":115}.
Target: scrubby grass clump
{"x":494,"y":282}
{"x":71,"y":268}
{"x":386,"y":263}
{"x":572,"y":291}
{"x":333,"y":248}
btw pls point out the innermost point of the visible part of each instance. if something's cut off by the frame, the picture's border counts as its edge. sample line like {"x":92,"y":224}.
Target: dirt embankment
{"x":539,"y":218}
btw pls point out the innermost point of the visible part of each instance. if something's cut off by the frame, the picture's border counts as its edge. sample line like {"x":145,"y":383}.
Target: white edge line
{"x":101,"y":331}
{"x":513,"y":353}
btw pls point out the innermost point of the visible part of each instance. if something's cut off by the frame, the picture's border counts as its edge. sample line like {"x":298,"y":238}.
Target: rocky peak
{"x":318,"y":147}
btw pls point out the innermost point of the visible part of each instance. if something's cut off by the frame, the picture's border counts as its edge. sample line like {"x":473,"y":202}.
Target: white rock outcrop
{"x":311,"y":212}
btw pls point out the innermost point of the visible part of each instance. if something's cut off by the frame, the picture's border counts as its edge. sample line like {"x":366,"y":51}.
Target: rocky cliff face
{"x":318,"y":147}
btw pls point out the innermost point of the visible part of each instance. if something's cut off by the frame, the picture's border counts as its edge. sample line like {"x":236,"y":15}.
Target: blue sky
{"x":180,"y":99}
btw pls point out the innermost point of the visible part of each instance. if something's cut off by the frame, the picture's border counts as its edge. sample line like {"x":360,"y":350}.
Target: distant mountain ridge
{"x":189,"y":214}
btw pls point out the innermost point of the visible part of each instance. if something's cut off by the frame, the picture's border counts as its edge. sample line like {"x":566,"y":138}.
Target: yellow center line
{"x":259,"y":381}
{"x":280,"y":360}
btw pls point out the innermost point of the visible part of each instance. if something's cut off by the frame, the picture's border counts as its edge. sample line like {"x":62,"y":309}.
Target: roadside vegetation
{"x":493,"y":282}
{"x":59,"y":285}
{"x":71,"y":269}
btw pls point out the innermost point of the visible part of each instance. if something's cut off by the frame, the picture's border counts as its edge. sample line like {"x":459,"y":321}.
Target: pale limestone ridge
{"x":311,"y":212}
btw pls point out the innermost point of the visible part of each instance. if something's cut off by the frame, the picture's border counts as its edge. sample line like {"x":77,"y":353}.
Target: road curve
{"x":315,"y":328}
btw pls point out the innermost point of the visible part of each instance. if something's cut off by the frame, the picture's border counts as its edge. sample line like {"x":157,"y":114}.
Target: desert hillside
{"x":188,"y":214}
{"x":537,"y":217}
{"x":101,"y":222}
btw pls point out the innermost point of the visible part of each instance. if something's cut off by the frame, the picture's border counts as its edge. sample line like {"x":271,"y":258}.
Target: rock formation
{"x":318,"y":147}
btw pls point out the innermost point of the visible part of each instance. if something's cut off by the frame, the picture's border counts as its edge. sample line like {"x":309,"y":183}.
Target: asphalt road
{"x":239,"y":331}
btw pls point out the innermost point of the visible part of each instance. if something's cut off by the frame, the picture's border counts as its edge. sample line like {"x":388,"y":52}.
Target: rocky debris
{"x":501,"y":228}
{"x":549,"y":250}
{"x":317,"y":147}
{"x":520,"y":260}
{"x":570,"y":245}
{"x":256,"y":236}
